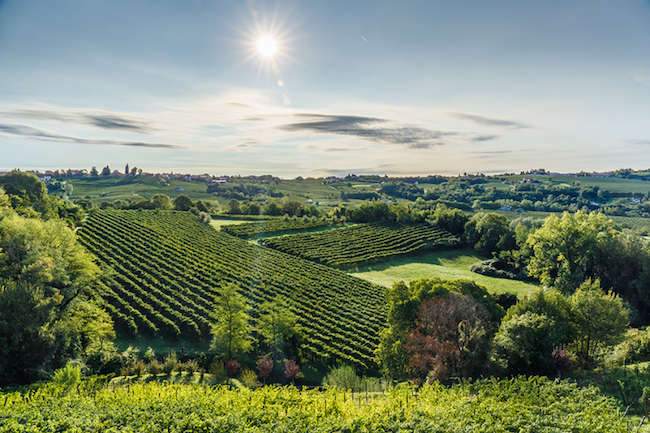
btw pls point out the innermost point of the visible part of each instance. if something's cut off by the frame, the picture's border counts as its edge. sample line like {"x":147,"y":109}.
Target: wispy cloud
{"x":638,"y":142}
{"x":335,"y":149}
{"x":480,"y":138}
{"x":642,"y":78}
{"x":29,"y":132}
{"x":97,"y":119}
{"x":370,"y":128}
{"x":486,"y":121}
{"x":490,"y":153}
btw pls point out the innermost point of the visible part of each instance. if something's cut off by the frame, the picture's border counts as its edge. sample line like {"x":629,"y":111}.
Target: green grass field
{"x":611,"y":184}
{"x":100,"y":189}
{"x":449,"y":265}
{"x":218,"y":223}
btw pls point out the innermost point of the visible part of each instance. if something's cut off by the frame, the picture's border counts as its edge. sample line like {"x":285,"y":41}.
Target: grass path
{"x":450,"y":265}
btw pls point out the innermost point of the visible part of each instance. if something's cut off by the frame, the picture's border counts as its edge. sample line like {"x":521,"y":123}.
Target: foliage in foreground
{"x":585,"y":323}
{"x":520,"y":404}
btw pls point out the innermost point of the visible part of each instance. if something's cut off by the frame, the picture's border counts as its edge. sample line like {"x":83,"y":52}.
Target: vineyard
{"x":362,"y":243}
{"x":521,"y":404}
{"x":168,"y":264}
{"x":266,"y":227}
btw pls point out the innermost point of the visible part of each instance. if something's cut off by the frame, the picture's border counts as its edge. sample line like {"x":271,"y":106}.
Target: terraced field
{"x":362,"y":244}
{"x":167,"y":265}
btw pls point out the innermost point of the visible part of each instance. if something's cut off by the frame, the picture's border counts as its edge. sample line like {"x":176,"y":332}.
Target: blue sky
{"x":385,"y":87}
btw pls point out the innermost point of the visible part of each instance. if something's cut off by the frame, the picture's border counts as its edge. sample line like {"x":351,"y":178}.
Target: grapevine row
{"x":362,"y":243}
{"x":168,"y":266}
{"x":267,"y":227}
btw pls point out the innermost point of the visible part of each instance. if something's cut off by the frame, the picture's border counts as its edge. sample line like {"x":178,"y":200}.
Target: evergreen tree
{"x":231,"y":333}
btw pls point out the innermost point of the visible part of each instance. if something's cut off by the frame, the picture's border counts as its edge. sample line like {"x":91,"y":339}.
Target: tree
{"x":567,"y":250}
{"x":583,"y":323}
{"x":403,"y":310}
{"x":452,"y":220}
{"x":46,"y":279}
{"x":277,"y":324}
{"x":233,"y":207}
{"x":600,"y":320}
{"x":126,"y":170}
{"x":28,"y":195}
{"x":93,"y":171}
{"x":451,"y":338}
{"x":231,"y":333}
{"x":106,"y":171}
{"x":526,"y":342}
{"x":4,"y":199}
{"x":489,"y":232}
{"x":253,"y":209}
{"x":291,"y":370}
{"x":272,"y":209}
{"x":264,"y":367}
{"x":183,"y":203}
{"x":161,"y":201}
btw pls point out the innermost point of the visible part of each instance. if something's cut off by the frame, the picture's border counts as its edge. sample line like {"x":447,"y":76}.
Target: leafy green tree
{"x":201,"y":206}
{"x":233,"y":207}
{"x":46,"y":278}
{"x":601,"y":320}
{"x":489,"y":232}
{"x":277,"y":324}
{"x":526,"y":342}
{"x":531,"y":330}
{"x":272,"y":209}
{"x":231,"y":334}
{"x":567,"y":250}
{"x":183,"y":203}
{"x":93,"y":171}
{"x":584,"y":323}
{"x":27,"y":194}
{"x":4,"y":199}
{"x":253,"y":209}
{"x":404,"y":302}
{"x":452,"y":220}
{"x":161,"y":201}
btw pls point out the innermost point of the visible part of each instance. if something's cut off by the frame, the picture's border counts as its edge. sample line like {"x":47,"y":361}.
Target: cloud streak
{"x":486,"y":121}
{"x":370,"y":128}
{"x":96,"y":119}
{"x":29,"y":132}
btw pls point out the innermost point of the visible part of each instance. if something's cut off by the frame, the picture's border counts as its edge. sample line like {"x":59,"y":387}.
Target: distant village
{"x":207,"y":178}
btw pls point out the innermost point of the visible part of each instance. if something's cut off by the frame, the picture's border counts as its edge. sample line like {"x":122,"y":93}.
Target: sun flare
{"x":266,"y":46}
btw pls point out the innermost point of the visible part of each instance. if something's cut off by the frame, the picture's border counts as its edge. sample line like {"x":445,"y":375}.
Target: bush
{"x":635,"y":348}
{"x":191,"y":366}
{"x":343,"y":377}
{"x":249,"y":379}
{"x":68,"y":376}
{"x":149,"y":355}
{"x":218,"y":371}
{"x":232,"y":367}
{"x":138,"y":369}
{"x":154,"y":367}
{"x":170,"y":364}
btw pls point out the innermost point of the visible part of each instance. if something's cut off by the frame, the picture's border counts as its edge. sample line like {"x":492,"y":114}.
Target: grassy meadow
{"x":448,"y":265}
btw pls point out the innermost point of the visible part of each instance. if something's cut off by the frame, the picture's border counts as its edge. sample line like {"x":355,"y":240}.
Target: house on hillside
{"x":179,"y":188}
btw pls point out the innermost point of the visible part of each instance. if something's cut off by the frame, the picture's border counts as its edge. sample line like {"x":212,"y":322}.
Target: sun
{"x":266,"y":46}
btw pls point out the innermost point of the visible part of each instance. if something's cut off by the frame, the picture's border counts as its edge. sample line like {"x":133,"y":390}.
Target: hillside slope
{"x":167,"y":265}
